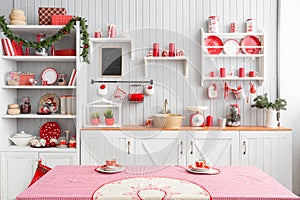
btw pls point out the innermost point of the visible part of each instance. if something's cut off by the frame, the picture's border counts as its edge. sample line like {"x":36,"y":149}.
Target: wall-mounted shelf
{"x":39,"y":87}
{"x":176,"y":58}
{"x":218,"y":60}
{"x":40,"y":58}
{"x":36,"y":116}
{"x":110,"y":40}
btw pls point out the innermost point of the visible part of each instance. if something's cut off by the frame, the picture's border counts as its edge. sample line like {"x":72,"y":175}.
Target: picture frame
{"x":111,"y":61}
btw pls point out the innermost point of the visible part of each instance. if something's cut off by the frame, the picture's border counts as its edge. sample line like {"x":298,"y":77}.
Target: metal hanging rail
{"x":93,"y":81}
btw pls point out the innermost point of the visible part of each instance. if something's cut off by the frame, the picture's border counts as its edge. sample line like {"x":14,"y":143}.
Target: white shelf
{"x":35,"y":29}
{"x":232,"y":35}
{"x":234,"y":78}
{"x":110,"y":40}
{"x":41,"y":58}
{"x":39,"y":87}
{"x":15,"y":148}
{"x":113,"y":40}
{"x":176,"y":58}
{"x":205,"y":58}
{"x":233,"y":56}
{"x":36,"y":116}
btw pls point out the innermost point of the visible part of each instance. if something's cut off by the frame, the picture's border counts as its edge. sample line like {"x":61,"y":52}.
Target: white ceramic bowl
{"x":21,"y":139}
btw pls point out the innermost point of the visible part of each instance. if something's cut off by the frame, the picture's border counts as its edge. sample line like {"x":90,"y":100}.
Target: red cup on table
{"x":222,"y":72}
{"x":111,"y":162}
{"x":252,"y":73}
{"x":241,"y":72}
{"x":155,"y":49}
{"x":200,"y":163}
{"x":209,"y":120}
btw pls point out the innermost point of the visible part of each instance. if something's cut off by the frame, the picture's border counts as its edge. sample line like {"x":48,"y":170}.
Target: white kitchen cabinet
{"x":18,"y":168}
{"x":160,"y":147}
{"x":271,"y":151}
{"x":218,"y":148}
{"x":97,"y":146}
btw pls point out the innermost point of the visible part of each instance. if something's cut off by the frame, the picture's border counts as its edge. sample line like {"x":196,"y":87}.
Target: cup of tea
{"x":111,"y":162}
{"x":200,"y":163}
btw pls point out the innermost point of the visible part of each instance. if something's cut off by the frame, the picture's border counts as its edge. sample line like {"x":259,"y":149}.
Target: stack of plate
{"x":110,"y":169}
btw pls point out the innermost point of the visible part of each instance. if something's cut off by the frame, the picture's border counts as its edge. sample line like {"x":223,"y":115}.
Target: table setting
{"x":113,"y":180}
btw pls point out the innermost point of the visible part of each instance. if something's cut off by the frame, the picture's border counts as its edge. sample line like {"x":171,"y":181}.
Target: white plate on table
{"x":109,"y":170}
{"x":211,"y":171}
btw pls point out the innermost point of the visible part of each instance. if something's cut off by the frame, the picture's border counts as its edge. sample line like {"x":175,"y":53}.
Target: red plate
{"x":214,"y":41}
{"x":250,"y":40}
{"x":50,"y":130}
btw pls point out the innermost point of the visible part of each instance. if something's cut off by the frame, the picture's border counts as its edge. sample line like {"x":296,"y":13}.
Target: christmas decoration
{"x":233,"y":117}
{"x":46,"y":43}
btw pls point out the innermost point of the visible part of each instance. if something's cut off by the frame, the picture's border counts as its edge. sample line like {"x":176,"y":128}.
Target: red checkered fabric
{"x":45,"y":14}
{"x":60,"y":19}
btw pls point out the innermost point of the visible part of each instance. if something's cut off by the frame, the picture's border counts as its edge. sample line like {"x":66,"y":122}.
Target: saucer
{"x":199,"y":169}
{"x":109,"y":169}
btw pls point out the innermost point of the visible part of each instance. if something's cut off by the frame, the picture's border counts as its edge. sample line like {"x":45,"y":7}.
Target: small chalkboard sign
{"x":111,"y":61}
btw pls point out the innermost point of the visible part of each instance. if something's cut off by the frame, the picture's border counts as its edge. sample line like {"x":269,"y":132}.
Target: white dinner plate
{"x":231,"y":47}
{"x":109,"y":171}
{"x":211,"y":171}
{"x":50,"y":75}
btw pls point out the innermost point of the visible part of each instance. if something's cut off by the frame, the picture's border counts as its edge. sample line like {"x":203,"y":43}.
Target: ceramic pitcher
{"x":271,"y":118}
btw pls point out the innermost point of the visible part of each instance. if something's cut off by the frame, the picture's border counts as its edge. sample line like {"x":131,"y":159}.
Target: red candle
{"x":241,"y":72}
{"x":155,"y":49}
{"x":171,"y":49}
{"x":209,"y":120}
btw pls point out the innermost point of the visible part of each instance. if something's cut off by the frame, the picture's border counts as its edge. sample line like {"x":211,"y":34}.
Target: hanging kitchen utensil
{"x":252,"y":88}
{"x":226,"y":90}
{"x":212,"y":91}
{"x":138,"y":95}
{"x":118,"y":95}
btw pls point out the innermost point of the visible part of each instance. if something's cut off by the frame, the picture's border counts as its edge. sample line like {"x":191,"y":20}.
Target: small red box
{"x":45,"y":14}
{"x":24,"y":79}
{"x":60,"y":19}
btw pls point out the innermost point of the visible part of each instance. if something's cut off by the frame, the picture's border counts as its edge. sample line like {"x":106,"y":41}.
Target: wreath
{"x":46,"y":43}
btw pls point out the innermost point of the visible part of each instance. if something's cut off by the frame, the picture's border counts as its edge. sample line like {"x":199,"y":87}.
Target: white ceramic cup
{"x":222,"y":122}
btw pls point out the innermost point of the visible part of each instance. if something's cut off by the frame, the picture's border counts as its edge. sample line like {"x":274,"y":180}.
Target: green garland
{"x":46,"y":43}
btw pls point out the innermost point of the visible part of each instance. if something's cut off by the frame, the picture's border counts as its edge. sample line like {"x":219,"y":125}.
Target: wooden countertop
{"x":188,"y":128}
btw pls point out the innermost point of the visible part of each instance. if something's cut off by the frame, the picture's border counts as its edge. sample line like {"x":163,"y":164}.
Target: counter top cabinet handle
{"x":128,"y":147}
{"x":192,"y":146}
{"x":181,"y":147}
{"x":244,"y":147}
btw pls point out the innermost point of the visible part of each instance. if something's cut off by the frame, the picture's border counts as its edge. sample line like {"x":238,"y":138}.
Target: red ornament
{"x":85,"y":46}
{"x":21,"y":43}
{"x":64,"y":32}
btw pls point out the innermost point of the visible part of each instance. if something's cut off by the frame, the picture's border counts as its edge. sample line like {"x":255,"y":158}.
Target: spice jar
{"x":25,"y":105}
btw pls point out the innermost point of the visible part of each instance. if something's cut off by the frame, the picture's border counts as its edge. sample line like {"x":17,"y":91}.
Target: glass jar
{"x":25,"y":105}
{"x":233,"y":116}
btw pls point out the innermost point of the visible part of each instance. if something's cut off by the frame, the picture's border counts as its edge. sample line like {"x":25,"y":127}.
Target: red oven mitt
{"x":41,"y":170}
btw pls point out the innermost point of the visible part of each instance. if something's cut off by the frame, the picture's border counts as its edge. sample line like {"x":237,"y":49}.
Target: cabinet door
{"x":17,"y":170}
{"x":218,"y":148}
{"x":160,"y":147}
{"x":98,"y":146}
{"x":53,"y":159}
{"x":270,"y":151}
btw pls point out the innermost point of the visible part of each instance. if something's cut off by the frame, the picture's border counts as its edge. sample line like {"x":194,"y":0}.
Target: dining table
{"x":81,"y":182}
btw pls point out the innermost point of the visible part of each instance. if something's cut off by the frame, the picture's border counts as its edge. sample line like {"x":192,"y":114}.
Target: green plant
{"x":262,"y":101}
{"x":108,"y":113}
{"x":95,"y":115}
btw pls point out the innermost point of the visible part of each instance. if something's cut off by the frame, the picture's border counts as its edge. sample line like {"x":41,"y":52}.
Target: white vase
{"x":271,"y":118}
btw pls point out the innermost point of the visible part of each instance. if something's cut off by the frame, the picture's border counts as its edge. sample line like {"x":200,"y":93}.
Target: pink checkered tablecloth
{"x":232,"y":183}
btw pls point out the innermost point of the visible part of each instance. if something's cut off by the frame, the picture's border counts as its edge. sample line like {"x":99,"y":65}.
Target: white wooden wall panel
{"x":178,"y":21}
